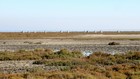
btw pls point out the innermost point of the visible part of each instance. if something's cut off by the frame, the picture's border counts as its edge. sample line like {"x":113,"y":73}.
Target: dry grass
{"x":35,"y":35}
{"x":96,"y":66}
{"x":39,"y":54}
{"x":39,"y":35}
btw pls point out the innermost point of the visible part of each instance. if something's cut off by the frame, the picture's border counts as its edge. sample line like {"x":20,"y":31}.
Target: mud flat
{"x":85,"y":48}
{"x":24,"y":66}
{"x":86,"y":43}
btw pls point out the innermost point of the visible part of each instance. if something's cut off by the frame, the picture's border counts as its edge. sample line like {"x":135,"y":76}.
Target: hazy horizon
{"x":69,"y":15}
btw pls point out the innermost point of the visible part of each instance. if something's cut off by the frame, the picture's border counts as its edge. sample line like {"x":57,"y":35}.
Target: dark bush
{"x":113,"y":43}
{"x":38,"y":62}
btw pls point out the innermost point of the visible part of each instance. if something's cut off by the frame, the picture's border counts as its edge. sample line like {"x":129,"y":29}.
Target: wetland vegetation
{"x":98,"y":65}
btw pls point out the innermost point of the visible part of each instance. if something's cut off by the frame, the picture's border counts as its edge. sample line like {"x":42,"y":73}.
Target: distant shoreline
{"x":132,"y":35}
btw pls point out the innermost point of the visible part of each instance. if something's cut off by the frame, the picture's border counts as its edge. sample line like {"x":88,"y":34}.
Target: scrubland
{"x":75,"y":66}
{"x":44,"y":63}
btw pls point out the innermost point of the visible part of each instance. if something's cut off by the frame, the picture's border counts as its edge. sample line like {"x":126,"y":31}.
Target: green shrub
{"x":61,"y":62}
{"x":133,"y":55}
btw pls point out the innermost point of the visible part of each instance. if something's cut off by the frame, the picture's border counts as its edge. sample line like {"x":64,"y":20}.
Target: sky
{"x":69,"y":15}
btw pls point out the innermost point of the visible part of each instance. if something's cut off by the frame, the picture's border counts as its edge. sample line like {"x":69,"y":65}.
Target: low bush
{"x":28,"y":42}
{"x":38,"y":43}
{"x":113,"y":43}
{"x":70,"y":62}
{"x":73,"y":65}
{"x":39,"y":54}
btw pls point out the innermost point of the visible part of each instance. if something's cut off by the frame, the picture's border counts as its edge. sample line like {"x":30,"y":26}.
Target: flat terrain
{"x":86,"y":42}
{"x":70,"y":35}
{"x":93,"y":42}
{"x":66,"y":41}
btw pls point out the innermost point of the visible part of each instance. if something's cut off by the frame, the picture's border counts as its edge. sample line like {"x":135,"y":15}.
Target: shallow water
{"x":87,"y":53}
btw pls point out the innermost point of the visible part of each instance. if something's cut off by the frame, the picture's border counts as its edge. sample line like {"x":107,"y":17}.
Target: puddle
{"x":87,"y":53}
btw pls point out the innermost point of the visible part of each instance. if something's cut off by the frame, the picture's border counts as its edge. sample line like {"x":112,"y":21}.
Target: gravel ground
{"x":66,"y":41}
{"x":71,"y":44}
{"x":88,"y":47}
{"x":24,"y":66}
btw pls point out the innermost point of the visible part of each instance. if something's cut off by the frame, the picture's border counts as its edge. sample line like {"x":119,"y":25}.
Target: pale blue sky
{"x":73,"y":15}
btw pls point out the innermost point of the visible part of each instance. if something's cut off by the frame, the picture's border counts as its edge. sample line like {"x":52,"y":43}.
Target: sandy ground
{"x":67,"y":41}
{"x":64,"y":41}
{"x":129,"y":36}
{"x":81,"y":42}
{"x":73,"y":42}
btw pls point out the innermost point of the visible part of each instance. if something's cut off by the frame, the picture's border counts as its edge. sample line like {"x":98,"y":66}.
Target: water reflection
{"x":87,"y":53}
